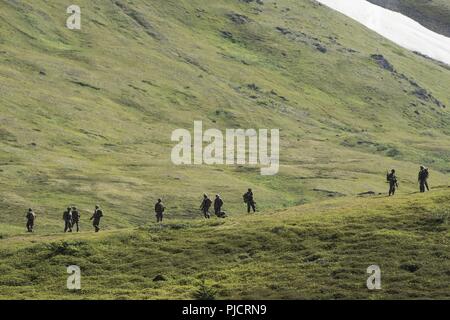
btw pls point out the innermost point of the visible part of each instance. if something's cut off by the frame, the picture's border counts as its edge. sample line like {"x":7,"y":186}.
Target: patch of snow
{"x":396,"y":27}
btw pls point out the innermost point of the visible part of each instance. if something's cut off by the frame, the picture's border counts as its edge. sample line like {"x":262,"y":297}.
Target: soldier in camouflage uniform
{"x":206,"y":204}
{"x":30,"y":220}
{"x":76,"y":218}
{"x":98,"y":214}
{"x":393,"y":183}
{"x":159,"y":210}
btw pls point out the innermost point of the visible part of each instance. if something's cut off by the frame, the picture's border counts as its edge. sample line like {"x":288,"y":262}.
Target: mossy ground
{"x":314,"y":251}
{"x":86,"y":117}
{"x":149,"y":67}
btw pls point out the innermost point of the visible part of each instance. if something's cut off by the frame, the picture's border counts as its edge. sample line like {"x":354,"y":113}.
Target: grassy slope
{"x":318,"y":250}
{"x":344,"y":121}
{"x":153,"y":66}
{"x":434,"y":14}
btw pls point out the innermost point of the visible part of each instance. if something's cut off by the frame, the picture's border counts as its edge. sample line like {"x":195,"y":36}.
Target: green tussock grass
{"x":86,"y":117}
{"x":314,"y":251}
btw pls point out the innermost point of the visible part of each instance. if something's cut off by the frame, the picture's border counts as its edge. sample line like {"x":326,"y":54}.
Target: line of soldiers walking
{"x":71,"y":218}
{"x":422,"y":179}
{"x":206,"y":204}
{"x":72,"y":215}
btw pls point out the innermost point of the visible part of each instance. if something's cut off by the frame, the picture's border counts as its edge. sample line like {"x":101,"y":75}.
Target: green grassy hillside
{"x":86,"y":116}
{"x":433,"y":14}
{"x":318,"y":251}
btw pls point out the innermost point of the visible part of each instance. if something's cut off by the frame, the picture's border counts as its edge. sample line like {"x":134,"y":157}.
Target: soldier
{"x":248,"y":199}
{"x":98,"y":213}
{"x":159,"y":209}
{"x":218,"y":203}
{"x":67,"y":217}
{"x":206,"y":204}
{"x":76,"y":218}
{"x":30,"y":220}
{"x":422,"y":179}
{"x":392,"y":179}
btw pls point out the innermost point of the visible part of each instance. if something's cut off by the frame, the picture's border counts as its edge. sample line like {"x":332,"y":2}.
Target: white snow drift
{"x":396,"y":27}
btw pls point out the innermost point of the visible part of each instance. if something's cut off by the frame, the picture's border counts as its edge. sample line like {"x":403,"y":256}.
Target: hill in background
{"x":86,"y":116}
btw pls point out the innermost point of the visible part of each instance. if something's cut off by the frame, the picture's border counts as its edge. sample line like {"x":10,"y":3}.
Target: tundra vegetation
{"x":86,"y":117}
